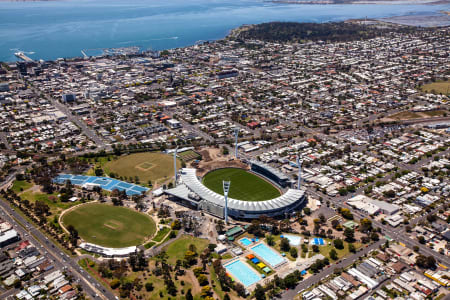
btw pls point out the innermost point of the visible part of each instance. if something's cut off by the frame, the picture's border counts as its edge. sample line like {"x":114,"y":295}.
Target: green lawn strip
{"x":110,"y":226}
{"x":149,"y":245}
{"x":19,"y":211}
{"x":161,"y":234}
{"x":216,"y":286}
{"x":93,"y":272}
{"x":177,"y":249}
{"x":244,"y":185}
{"x":258,"y":269}
{"x":20,"y":185}
{"x":227,"y":256}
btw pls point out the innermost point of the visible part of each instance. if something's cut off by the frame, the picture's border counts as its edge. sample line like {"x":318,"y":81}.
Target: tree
{"x":374,"y":236}
{"x":220,"y":226}
{"x":189,"y":295}
{"x":202,"y":280}
{"x":270,"y":240}
{"x":284,"y":244}
{"x":315,"y":248}
{"x":349,"y":234}
{"x":351,"y":248}
{"x":115,"y":283}
{"x":334,"y":223}
{"x":259,"y":292}
{"x":346,"y":213}
{"x":333,"y":254}
{"x":421,"y":239}
{"x":293,"y":252}
{"x":225,"y":150}
{"x":225,"y":297}
{"x":366,"y":225}
{"x":322,"y":218}
{"x":149,"y":287}
{"x":240,"y":289}
{"x":338,"y":243}
{"x":307,"y":211}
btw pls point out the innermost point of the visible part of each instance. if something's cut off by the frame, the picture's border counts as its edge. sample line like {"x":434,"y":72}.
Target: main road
{"x":345,"y":262}
{"x":60,"y":260}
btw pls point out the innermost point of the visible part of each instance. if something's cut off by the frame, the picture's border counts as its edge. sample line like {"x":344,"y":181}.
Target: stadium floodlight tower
{"x":299,"y":177}
{"x":226,"y":189}
{"x":175,"y":165}
{"x":236,"y":134}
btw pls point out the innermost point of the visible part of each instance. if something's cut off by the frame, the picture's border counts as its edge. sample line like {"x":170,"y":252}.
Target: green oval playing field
{"x":110,"y":226}
{"x":147,"y":166}
{"x":244,"y":185}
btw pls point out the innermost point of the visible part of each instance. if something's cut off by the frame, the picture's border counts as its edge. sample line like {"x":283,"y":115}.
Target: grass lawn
{"x":52,"y":200}
{"x":439,"y":87}
{"x":21,"y":185}
{"x":178,"y":248}
{"x":244,"y":185}
{"x":325,"y":250}
{"x":277,"y":241}
{"x":110,"y":226}
{"x":154,"y":166}
{"x":161,"y":234}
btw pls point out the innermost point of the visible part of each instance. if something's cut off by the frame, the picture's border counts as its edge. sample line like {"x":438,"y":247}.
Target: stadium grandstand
{"x":270,"y":173}
{"x":193,"y":193}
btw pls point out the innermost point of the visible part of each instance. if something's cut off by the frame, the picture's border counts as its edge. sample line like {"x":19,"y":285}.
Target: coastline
{"x":54,"y":41}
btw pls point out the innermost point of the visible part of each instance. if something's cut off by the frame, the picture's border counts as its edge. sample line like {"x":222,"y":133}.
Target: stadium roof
{"x":274,"y":171}
{"x":189,"y":178}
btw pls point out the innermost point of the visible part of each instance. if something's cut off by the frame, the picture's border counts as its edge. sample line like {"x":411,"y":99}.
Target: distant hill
{"x":300,"y":32}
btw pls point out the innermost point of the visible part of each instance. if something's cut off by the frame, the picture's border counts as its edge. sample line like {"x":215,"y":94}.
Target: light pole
{"x":236,"y":134}
{"x":299,"y":177}
{"x":175,"y":165}
{"x":226,"y":189}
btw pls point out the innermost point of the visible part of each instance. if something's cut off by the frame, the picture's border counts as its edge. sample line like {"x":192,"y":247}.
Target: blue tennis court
{"x":318,"y":241}
{"x":105,"y":183}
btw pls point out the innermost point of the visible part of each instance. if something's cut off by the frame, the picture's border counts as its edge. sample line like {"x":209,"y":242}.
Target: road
{"x":290,"y":294}
{"x":60,"y":260}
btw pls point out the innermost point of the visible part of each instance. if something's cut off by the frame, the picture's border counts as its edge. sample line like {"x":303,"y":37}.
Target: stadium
{"x":197,"y":193}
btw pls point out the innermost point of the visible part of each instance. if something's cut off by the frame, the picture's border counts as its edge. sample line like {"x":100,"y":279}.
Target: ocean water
{"x":53,"y":29}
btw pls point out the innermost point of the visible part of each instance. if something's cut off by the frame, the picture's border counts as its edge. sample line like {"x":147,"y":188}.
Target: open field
{"x":244,"y":185}
{"x":438,"y":87}
{"x":409,"y":115}
{"x":178,"y":248}
{"x":157,"y":167}
{"x":110,"y":226}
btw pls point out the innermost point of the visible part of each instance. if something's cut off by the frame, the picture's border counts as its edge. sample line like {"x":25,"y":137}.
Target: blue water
{"x":245,"y":242}
{"x":243,"y":273}
{"x":268,"y":255}
{"x":52,"y":29}
{"x":105,"y":183}
{"x":294,"y":240}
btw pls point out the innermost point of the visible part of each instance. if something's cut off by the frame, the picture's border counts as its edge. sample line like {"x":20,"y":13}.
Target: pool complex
{"x":105,"y":183}
{"x":294,"y":240}
{"x":268,"y":255}
{"x":243,"y":273}
{"x":246,"y":242}
{"x":318,"y":241}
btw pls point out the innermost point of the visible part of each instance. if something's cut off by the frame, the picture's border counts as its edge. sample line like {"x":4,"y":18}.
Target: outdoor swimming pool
{"x":318,"y":241}
{"x":246,"y":242}
{"x":268,"y":255}
{"x":105,"y":183}
{"x":243,"y":273}
{"x":294,"y":240}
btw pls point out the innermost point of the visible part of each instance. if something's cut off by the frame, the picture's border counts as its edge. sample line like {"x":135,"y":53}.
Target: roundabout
{"x":109,"y":226}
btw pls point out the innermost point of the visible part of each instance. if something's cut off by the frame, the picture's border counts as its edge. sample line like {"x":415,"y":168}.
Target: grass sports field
{"x":157,"y":167}
{"x":438,"y":87}
{"x":110,"y":226}
{"x":244,"y":185}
